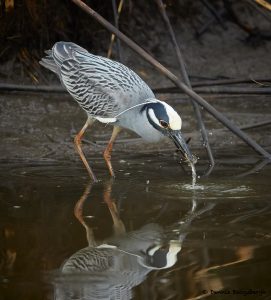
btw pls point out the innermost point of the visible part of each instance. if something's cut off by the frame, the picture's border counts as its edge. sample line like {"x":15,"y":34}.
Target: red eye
{"x":163,"y":124}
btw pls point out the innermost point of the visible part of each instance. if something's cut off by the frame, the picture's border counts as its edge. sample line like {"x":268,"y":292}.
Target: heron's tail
{"x":60,"y":52}
{"x":49,"y":63}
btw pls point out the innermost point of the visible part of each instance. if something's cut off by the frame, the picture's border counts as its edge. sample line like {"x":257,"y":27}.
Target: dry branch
{"x":256,"y":125}
{"x":7,"y":87}
{"x":218,"y":90}
{"x":32,"y":88}
{"x":264,"y":3}
{"x":185,"y":76}
{"x":117,"y":12}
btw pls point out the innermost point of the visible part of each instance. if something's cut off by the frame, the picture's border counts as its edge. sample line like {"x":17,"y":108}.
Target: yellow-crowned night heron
{"x":113,"y":94}
{"x":111,"y":270}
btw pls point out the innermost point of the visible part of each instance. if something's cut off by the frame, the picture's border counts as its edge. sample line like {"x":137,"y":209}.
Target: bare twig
{"x":214,"y":12}
{"x":217,"y":90}
{"x":264,"y":3}
{"x":116,"y":20}
{"x":256,"y":125}
{"x":262,"y":11}
{"x":188,"y":83}
{"x":32,"y":88}
{"x":252,"y":30}
{"x":261,"y":83}
{"x":32,"y":67}
{"x":216,"y":114}
{"x":230,"y":81}
{"x":60,"y":89}
{"x":256,"y":168}
{"x":207,"y":24}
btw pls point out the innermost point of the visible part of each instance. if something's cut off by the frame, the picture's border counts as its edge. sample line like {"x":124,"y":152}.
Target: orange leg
{"x":118,"y":226}
{"x":78,"y":212}
{"x":108,"y":150}
{"x":77,"y":143}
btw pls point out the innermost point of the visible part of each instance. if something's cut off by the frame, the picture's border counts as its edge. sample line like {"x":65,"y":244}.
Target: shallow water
{"x":217,"y":234}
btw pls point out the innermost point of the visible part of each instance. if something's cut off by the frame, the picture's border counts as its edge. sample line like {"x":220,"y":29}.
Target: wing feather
{"x":102,"y":87}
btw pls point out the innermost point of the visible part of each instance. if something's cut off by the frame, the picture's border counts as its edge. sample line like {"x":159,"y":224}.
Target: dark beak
{"x":181,"y":145}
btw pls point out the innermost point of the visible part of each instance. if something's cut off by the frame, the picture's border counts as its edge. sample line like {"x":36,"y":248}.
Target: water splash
{"x":194,"y":174}
{"x":192,"y":161}
{"x":190,"y":187}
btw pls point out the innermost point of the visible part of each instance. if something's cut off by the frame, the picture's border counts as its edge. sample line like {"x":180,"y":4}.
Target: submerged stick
{"x":186,"y":79}
{"x":219,"y":116}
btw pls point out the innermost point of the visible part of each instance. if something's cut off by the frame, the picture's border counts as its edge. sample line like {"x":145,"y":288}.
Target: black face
{"x":158,"y":259}
{"x":162,"y":116}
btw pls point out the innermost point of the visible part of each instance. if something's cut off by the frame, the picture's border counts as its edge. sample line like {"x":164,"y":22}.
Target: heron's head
{"x":161,"y":256}
{"x":167,"y":121}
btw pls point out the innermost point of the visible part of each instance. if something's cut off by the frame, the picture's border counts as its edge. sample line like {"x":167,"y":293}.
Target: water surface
{"x":218,"y":233}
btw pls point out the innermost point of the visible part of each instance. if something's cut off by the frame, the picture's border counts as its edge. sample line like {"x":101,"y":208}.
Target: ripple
{"x":44,"y":172}
{"x":191,"y":187}
{"x":210,"y":190}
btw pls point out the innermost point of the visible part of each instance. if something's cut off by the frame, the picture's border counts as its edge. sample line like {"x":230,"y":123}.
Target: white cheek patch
{"x":153,"y":117}
{"x":175,"y":121}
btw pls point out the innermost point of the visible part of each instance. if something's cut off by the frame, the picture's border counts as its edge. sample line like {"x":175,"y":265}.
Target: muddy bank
{"x":38,"y":127}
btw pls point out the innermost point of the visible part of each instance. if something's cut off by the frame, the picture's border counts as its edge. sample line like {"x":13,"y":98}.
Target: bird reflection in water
{"x":110,"y":269}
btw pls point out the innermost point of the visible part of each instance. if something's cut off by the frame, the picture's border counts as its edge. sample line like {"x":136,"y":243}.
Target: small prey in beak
{"x":181,"y":145}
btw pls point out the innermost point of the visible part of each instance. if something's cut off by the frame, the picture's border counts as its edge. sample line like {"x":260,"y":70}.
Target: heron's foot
{"x":92,"y":175}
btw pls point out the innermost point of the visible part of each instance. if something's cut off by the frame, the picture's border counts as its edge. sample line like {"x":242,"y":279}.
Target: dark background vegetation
{"x":27,"y":27}
{"x":36,"y":25}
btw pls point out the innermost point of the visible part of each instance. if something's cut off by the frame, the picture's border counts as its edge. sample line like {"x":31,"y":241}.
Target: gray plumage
{"x":108,"y":271}
{"x":113,"y":94}
{"x":111,"y":270}
{"x":102,"y":87}
{"x":110,"y":255}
